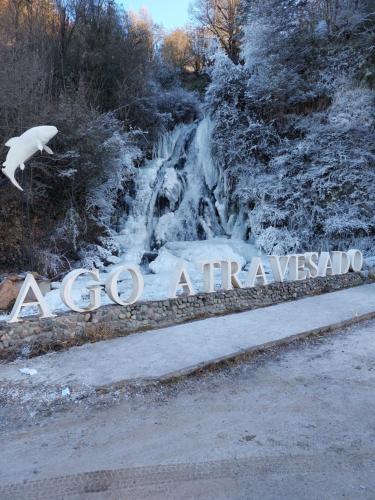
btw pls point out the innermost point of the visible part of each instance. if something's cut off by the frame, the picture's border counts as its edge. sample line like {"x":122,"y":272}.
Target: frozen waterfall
{"x":179,"y":211}
{"x":176,"y":194}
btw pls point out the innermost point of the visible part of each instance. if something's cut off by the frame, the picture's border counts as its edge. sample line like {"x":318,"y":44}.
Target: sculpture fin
{"x":22,"y":166}
{"x":12,"y":142}
{"x":12,"y":179}
{"x":15,"y":183}
{"x":48,"y":150}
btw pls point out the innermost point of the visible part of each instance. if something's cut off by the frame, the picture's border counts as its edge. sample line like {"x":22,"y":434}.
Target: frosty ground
{"x":295,"y":422}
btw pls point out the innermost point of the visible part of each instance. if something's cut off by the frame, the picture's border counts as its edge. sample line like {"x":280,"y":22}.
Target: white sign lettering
{"x":294,"y":267}
{"x":256,"y":275}
{"x":27,"y":285}
{"x":67,"y":287}
{"x":279,"y":264}
{"x":229,"y":274}
{"x":111,"y":285}
{"x":181,"y":279}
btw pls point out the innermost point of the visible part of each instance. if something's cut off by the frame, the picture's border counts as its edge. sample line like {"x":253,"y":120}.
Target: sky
{"x":170,"y":13}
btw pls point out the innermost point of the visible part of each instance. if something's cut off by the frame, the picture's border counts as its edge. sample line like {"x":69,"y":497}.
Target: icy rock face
{"x":180,"y":194}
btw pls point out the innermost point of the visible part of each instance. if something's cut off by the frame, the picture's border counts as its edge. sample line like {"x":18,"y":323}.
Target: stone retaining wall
{"x":34,"y":336}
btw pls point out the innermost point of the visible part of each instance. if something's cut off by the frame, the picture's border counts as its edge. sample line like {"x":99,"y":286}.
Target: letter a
{"x":181,"y":279}
{"x":279,"y":264}
{"x":30,"y":284}
{"x":325,"y":266}
{"x":256,"y":275}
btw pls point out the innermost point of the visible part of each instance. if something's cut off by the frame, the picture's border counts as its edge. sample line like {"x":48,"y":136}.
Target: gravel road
{"x":296,"y":423}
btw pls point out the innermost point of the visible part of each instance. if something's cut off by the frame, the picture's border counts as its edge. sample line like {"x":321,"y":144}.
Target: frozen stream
{"x":176,"y":195}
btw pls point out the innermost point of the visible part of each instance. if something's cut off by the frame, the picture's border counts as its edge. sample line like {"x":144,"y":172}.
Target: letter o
{"x":356,"y":260}
{"x":111,"y":285}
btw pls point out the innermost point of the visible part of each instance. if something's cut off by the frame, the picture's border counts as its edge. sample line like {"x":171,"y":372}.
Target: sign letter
{"x":229,"y":274}
{"x":256,"y":275}
{"x":181,"y":279}
{"x":111,"y":285}
{"x":30,"y":284}
{"x":297,"y":271}
{"x":66,"y":290}
{"x":311,"y":262}
{"x":325,"y":265}
{"x":340,"y":262}
{"x":356,"y":260}
{"x":279,"y":263}
{"x":208,"y":269}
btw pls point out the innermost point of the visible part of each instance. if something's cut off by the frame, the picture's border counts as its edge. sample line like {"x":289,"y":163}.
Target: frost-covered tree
{"x":96,"y":73}
{"x":295,"y":125}
{"x":221,"y":19}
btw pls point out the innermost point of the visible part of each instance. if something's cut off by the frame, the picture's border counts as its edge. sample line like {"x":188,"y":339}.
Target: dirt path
{"x":297,"y":423}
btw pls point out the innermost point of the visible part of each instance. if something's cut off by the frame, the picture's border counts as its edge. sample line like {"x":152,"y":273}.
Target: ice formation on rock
{"x":180,"y":195}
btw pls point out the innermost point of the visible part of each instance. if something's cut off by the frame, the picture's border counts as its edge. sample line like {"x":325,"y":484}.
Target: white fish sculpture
{"x":22,"y":148}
